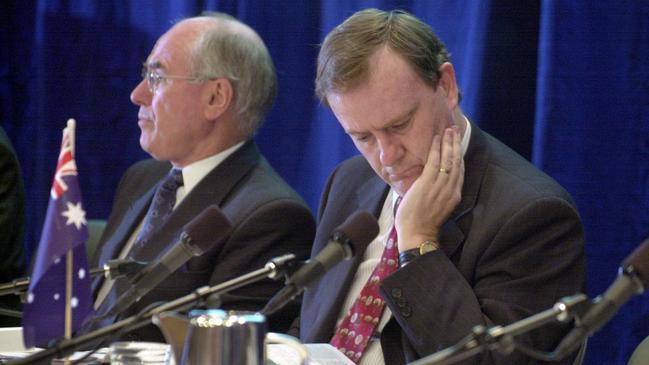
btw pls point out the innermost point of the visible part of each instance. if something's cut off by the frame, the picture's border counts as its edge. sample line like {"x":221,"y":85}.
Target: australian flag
{"x":65,"y":229}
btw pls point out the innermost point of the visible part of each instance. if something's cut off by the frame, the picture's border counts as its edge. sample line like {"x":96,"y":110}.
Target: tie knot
{"x":173,"y":180}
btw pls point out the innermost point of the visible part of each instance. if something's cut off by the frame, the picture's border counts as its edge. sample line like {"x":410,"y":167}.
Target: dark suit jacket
{"x":512,"y":248}
{"x":12,"y":224}
{"x":268,"y":218}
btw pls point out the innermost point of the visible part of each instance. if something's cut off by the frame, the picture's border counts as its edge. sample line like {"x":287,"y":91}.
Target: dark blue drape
{"x":565,"y":83}
{"x":592,"y":134}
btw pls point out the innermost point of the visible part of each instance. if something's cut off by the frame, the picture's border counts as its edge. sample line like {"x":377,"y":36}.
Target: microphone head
{"x":357,"y":232}
{"x":206,"y":230}
{"x":638,"y":262}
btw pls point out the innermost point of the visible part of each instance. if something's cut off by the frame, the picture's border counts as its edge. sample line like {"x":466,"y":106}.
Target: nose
{"x":390,"y":150}
{"x":141,"y":95}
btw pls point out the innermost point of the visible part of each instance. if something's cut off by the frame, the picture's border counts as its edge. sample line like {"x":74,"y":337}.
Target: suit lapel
{"x":132,"y":217}
{"x":214,"y":188}
{"x":369,"y":198}
{"x":220,"y":182}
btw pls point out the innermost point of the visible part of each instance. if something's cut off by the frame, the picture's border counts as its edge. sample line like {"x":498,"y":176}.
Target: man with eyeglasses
{"x":206,"y":87}
{"x":470,"y":232}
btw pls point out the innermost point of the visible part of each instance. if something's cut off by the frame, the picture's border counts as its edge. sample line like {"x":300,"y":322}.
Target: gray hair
{"x":241,"y":57}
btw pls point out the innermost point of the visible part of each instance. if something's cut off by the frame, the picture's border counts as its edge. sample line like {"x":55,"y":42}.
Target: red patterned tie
{"x":354,"y":332}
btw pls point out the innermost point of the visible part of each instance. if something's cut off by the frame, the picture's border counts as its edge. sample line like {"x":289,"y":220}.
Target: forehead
{"x":172,"y":50}
{"x":391,"y":91}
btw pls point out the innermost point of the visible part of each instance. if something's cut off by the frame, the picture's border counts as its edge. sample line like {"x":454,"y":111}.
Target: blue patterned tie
{"x":160,"y":208}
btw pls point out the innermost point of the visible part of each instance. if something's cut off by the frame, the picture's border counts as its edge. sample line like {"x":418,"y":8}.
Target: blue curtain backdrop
{"x":565,"y":83}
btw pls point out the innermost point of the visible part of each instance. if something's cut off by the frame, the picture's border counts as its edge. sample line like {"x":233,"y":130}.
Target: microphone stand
{"x":272,"y":269}
{"x":4,"y":312}
{"x":501,"y":338}
{"x":16,"y":286}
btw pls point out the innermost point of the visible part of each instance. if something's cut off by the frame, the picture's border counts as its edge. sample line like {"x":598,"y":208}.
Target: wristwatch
{"x":428,"y":246}
{"x":408,"y":255}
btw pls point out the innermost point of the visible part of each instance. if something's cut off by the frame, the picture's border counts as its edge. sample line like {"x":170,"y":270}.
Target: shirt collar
{"x":196,"y":171}
{"x":464,"y":144}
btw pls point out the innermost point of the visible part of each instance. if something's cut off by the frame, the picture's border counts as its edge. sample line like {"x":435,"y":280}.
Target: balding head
{"x":225,"y":47}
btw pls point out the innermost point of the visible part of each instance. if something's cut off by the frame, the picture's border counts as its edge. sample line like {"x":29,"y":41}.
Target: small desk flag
{"x":65,"y":229}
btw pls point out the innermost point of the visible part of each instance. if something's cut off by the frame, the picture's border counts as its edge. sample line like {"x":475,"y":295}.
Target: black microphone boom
{"x":632,"y":279}
{"x":207,"y":230}
{"x":349,"y":239}
{"x":274,"y":268}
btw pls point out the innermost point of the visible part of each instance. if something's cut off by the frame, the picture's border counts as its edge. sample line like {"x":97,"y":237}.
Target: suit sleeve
{"x":534,"y":258}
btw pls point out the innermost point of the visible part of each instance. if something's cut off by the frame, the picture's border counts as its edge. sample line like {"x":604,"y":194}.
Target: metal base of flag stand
{"x":273,"y":269}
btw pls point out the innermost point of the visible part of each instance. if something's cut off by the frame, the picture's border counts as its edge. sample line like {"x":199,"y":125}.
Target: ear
{"x":218,"y":97}
{"x":448,"y":84}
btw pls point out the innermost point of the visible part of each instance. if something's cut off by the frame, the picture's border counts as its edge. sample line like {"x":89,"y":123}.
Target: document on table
{"x":319,"y":354}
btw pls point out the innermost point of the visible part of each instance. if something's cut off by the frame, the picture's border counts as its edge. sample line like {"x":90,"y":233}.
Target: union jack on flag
{"x":65,"y":229}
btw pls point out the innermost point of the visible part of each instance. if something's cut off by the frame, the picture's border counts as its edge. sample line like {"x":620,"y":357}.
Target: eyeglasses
{"x":154,"y":78}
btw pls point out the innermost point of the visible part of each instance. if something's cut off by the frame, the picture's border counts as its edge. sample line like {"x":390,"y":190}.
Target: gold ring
{"x":441,"y":169}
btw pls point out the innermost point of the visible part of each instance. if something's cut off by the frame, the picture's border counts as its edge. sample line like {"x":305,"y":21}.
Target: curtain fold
{"x":591,"y":134}
{"x":566,"y":84}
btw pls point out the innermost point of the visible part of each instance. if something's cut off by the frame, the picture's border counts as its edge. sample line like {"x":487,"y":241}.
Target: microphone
{"x":633,"y":278}
{"x":111,"y":270}
{"x":347,"y":240}
{"x":202,"y":233}
{"x":17,"y":286}
{"x":118,"y":268}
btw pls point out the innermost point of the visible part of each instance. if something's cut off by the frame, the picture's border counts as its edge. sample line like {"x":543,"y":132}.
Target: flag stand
{"x":68,"y":299}
{"x":67,"y":334}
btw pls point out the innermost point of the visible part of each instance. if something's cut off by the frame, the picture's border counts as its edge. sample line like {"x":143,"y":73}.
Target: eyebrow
{"x":391,"y":122}
{"x":153,"y":65}
{"x":405,"y":116}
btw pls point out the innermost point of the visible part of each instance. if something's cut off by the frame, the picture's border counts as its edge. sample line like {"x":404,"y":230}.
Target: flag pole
{"x":68,"y":299}
{"x":69,"y":259}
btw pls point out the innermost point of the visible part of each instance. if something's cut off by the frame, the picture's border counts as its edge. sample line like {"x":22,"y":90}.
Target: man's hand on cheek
{"x":434,"y":195}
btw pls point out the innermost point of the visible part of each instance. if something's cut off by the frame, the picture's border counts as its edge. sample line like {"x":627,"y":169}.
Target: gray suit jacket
{"x":268,"y":218}
{"x":512,"y":248}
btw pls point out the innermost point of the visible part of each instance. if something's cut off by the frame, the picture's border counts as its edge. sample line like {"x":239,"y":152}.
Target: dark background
{"x":565,"y":83}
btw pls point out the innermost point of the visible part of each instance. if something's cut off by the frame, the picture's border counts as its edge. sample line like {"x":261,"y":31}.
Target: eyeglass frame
{"x":153,"y":78}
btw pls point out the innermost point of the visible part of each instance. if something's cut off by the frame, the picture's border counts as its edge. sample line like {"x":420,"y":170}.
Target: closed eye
{"x":400,"y":126}
{"x":361,"y":137}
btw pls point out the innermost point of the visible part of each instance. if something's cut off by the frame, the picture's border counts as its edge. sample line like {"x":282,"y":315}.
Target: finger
{"x":446,"y":162}
{"x":456,"y":159}
{"x":449,"y":192}
{"x":431,"y":168}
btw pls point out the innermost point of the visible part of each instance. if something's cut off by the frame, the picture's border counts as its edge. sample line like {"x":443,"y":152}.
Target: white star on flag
{"x":75,"y":214}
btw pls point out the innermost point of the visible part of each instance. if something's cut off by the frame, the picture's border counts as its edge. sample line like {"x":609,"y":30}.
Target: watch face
{"x":427,"y":246}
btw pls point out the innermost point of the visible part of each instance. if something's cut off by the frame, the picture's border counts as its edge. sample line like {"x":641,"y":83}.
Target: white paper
{"x":319,"y":354}
{"x":11,"y":339}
